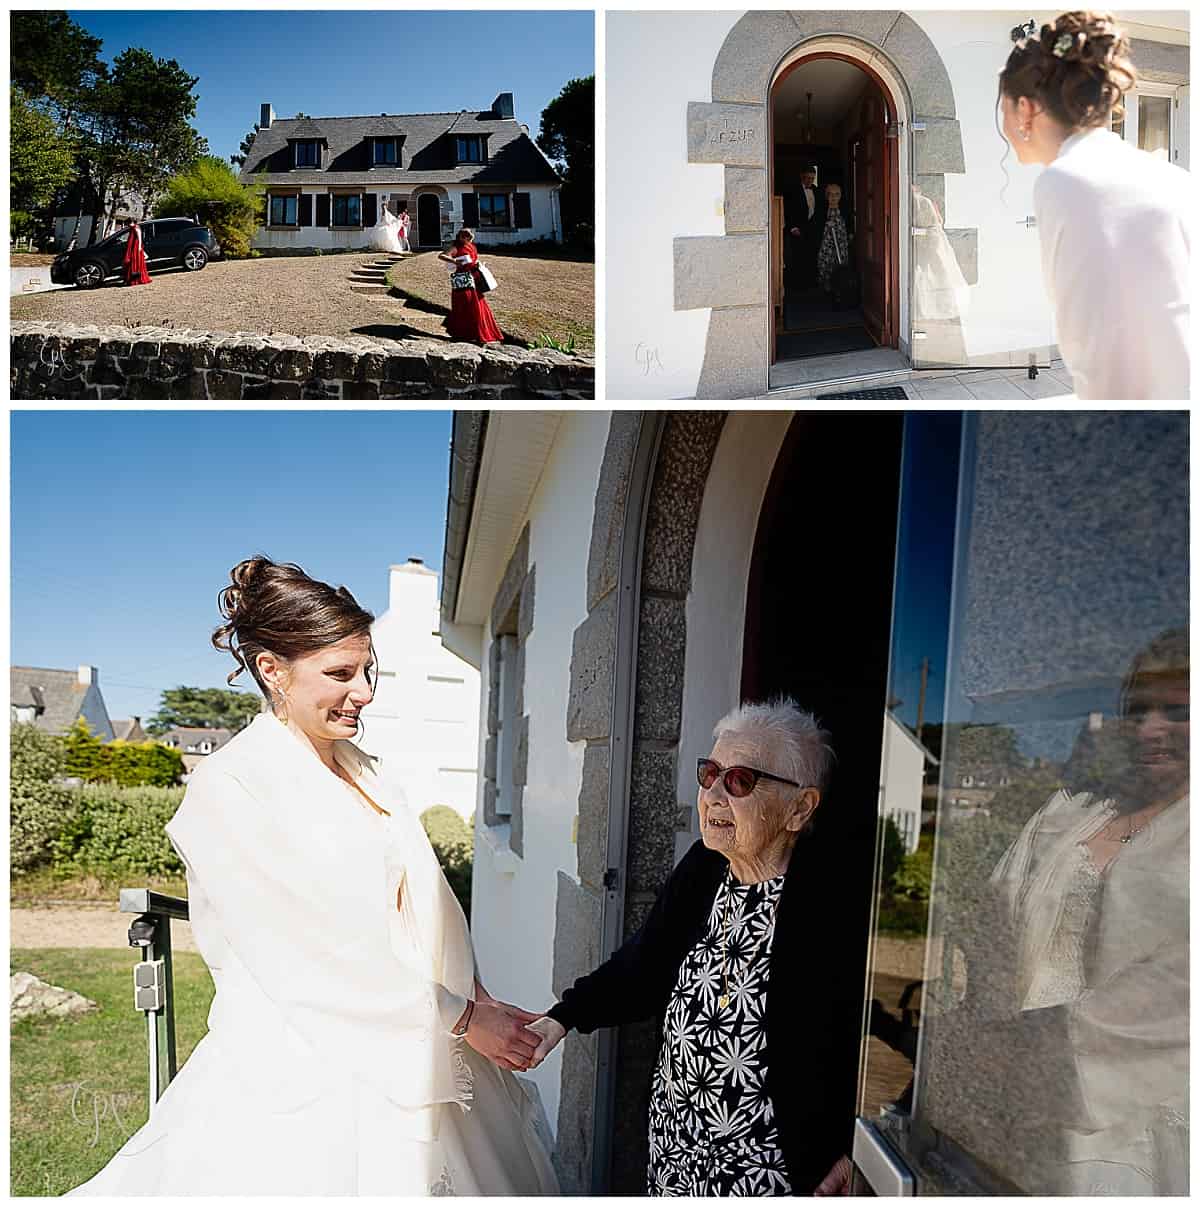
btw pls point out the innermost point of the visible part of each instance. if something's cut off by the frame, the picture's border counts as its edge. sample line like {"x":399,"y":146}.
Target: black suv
{"x":169,"y":242}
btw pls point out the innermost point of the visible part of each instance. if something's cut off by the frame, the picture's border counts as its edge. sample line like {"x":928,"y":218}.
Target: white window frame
{"x":1133,"y":114}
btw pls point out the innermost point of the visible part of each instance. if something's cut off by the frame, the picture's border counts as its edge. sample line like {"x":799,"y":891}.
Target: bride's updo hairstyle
{"x":1077,"y":69}
{"x":276,"y":607}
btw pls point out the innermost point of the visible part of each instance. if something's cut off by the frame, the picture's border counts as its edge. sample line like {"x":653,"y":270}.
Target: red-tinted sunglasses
{"x":738,"y":781}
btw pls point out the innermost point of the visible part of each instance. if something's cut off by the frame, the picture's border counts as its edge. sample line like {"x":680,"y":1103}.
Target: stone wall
{"x":58,"y":360}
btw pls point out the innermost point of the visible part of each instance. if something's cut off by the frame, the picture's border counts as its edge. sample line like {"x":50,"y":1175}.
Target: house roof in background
{"x":58,"y":694}
{"x":513,"y":157}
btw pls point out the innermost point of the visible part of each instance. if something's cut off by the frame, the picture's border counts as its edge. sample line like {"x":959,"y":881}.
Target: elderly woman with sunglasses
{"x":742,"y":1101}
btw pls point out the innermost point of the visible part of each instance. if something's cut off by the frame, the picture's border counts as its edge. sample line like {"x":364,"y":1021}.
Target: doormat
{"x":822,"y":343}
{"x":882,"y":392}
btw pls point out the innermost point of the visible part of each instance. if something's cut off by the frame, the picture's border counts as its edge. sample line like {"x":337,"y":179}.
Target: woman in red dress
{"x":471,"y":318}
{"x":135,"y":258}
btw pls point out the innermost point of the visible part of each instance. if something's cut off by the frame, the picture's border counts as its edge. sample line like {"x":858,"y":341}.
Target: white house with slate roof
{"x":327,"y":177}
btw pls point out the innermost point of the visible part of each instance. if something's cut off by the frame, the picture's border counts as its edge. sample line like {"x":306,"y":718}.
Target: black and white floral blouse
{"x":712,"y":1124}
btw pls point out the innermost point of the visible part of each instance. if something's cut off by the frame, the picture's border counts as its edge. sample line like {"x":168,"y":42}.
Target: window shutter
{"x":323,"y":209}
{"x":370,"y":209}
{"x":470,"y":210}
{"x":306,"y":209}
{"x":522,"y":211}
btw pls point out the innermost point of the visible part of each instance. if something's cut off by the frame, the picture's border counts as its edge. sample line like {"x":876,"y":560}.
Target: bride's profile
{"x":351,"y":1049}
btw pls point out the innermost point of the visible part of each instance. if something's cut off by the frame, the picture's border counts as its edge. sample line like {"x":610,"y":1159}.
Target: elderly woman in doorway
{"x":742,"y":1100}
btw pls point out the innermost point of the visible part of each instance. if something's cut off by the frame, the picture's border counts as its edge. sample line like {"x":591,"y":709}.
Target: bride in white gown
{"x":351,"y":1049}
{"x":389,"y":233}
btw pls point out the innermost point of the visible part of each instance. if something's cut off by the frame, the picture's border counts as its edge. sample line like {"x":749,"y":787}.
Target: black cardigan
{"x":814,"y":1004}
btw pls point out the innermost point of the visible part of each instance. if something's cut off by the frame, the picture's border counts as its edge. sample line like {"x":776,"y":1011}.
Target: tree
{"x":568,"y":136}
{"x":244,"y":147}
{"x":41,"y":160}
{"x":205,"y":708}
{"x":52,"y":59}
{"x":210,"y":191}
{"x":134,"y":128}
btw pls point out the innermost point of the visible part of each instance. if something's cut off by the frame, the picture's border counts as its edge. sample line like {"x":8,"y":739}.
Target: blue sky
{"x":125,"y":525}
{"x":337,"y":64}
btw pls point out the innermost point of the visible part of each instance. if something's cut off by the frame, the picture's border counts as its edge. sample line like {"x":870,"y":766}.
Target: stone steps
{"x":371,"y":276}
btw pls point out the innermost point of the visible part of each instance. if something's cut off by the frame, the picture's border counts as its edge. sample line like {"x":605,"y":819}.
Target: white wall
{"x":513,"y":900}
{"x":656,"y":63}
{"x":424,"y":719}
{"x":656,"y":352}
{"x":901,"y":778}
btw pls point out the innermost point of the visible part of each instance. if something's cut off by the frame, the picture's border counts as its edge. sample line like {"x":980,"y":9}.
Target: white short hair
{"x":804,"y":747}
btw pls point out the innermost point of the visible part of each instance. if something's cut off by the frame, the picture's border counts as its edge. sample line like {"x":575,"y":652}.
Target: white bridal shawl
{"x":320,"y":976}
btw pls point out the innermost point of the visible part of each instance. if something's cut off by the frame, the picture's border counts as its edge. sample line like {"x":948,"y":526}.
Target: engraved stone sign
{"x":728,"y":134}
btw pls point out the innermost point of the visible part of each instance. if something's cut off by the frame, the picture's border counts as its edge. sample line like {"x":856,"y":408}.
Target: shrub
{"x":127,"y":763}
{"x":454,"y":844}
{"x":121,"y":830}
{"x":915,"y":877}
{"x":210,"y":192}
{"x":39,"y":806}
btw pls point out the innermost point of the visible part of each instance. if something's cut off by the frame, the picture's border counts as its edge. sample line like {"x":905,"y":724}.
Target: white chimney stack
{"x":266,"y":116}
{"x":88,"y":675}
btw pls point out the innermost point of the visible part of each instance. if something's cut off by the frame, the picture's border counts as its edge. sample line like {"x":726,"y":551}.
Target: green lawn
{"x":79,"y":1087}
{"x":47,"y":884}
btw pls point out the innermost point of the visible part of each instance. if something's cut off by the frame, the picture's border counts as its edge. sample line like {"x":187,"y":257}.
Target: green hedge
{"x":39,"y":806}
{"x":454,"y":844}
{"x":130,"y":764}
{"x":120,"y":830}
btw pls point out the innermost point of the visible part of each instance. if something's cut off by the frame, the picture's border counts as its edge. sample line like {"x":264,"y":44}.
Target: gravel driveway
{"x":82,"y":926}
{"x":308,"y":295}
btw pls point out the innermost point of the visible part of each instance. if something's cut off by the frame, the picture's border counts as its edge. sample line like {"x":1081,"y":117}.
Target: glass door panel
{"x":976,"y":298}
{"x":1154,"y":125}
{"x":1028,"y":1021}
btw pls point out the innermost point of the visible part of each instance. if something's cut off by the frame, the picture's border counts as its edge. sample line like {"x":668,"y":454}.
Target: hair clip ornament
{"x":1063,"y":44}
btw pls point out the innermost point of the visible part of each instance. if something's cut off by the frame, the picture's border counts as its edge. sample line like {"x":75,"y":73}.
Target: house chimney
{"x":502,"y":106}
{"x":88,"y":675}
{"x":266,"y":116}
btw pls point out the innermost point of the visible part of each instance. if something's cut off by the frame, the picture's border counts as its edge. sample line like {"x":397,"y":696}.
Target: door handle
{"x":879,"y":1163}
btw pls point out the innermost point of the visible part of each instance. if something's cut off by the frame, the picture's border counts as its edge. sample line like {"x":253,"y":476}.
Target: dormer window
{"x":471,"y":149}
{"x":384,"y":153}
{"x":308,"y":154}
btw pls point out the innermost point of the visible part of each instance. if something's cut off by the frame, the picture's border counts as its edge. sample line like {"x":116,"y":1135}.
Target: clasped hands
{"x":510,"y":1037}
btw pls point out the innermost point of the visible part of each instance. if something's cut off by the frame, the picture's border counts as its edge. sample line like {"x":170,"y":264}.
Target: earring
{"x":279,"y":705}
{"x":1025,"y":133}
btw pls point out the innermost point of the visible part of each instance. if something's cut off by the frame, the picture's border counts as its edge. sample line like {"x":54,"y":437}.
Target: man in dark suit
{"x":804,"y":219}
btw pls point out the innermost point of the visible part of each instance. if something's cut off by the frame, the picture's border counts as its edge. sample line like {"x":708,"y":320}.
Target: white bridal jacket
{"x":1115,"y":227}
{"x":341,"y":961}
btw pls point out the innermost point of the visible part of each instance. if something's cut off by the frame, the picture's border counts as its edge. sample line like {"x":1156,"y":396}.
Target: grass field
{"x":79,"y":1086}
{"x":536,"y":296}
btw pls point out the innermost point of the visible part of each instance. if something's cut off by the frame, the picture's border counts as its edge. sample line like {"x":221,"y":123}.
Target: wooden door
{"x":871,"y":189}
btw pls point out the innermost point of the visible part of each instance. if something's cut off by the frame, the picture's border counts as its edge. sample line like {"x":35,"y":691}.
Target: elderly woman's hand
{"x":551,"y":1032}
{"x":837,"y":1180}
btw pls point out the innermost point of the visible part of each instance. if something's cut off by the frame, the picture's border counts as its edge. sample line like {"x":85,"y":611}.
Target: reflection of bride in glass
{"x":1095,"y":890}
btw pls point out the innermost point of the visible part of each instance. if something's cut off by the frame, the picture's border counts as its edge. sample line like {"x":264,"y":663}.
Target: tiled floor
{"x":995,"y":385}
{"x":972,"y":385}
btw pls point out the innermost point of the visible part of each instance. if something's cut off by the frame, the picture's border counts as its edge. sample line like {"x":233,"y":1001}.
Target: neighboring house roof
{"x":57,"y":696}
{"x":128,"y":729}
{"x":429,"y":153}
{"x":189,"y":737}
